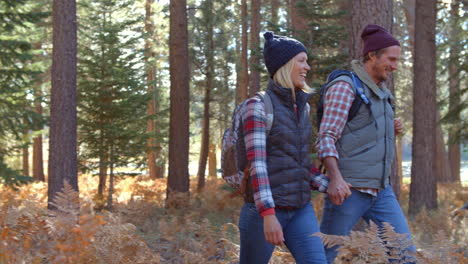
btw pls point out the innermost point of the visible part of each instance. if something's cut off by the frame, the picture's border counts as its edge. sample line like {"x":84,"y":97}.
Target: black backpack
{"x":358,"y":99}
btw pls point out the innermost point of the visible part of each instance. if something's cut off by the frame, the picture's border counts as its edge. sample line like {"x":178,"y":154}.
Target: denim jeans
{"x":340,"y":219}
{"x":298,"y":226}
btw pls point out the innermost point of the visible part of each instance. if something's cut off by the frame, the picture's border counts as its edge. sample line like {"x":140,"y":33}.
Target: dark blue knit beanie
{"x":278,"y":50}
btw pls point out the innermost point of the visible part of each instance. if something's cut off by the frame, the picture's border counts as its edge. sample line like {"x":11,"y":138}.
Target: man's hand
{"x":273,"y":230}
{"x":398,"y":126}
{"x":338,"y":190}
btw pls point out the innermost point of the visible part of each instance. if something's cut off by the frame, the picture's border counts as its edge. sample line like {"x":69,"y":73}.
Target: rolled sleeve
{"x":337,"y":102}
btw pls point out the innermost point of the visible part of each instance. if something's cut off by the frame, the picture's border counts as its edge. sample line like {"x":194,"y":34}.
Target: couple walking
{"x":357,"y":153}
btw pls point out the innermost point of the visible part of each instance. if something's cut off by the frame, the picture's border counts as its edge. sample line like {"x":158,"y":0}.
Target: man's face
{"x":382,"y":67}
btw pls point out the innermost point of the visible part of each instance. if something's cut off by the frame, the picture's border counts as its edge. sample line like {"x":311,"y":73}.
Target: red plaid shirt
{"x":337,"y":102}
{"x":254,"y":128}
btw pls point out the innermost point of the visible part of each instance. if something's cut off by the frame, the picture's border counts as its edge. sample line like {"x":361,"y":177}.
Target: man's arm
{"x":337,"y":102}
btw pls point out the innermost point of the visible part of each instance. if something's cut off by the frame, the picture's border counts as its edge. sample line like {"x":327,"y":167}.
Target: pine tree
{"x":112,"y":99}
{"x":16,"y":115}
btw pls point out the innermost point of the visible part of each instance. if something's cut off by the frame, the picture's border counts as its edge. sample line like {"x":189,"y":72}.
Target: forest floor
{"x":141,"y":230}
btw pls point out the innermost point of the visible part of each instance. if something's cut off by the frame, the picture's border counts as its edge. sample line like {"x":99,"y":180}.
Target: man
{"x":358,"y":154}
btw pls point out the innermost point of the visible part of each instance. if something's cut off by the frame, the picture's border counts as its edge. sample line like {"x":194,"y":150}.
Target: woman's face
{"x":299,"y":70}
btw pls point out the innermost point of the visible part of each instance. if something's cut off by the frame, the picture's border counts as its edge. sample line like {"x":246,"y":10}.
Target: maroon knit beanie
{"x":376,"y":37}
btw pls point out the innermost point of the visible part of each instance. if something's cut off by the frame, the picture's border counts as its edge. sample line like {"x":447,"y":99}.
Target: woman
{"x":277,"y":208}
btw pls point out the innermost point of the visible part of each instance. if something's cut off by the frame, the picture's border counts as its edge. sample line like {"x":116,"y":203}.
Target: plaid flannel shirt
{"x":337,"y":102}
{"x":254,"y":128}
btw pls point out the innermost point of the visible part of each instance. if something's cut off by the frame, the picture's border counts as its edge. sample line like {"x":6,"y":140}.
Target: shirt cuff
{"x":269,"y":211}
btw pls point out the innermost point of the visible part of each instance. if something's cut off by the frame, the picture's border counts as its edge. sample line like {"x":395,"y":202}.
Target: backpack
{"x":234,"y":169}
{"x":357,"y":87}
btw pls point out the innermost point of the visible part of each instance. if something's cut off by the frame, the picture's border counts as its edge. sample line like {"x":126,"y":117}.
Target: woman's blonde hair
{"x":283,"y":77}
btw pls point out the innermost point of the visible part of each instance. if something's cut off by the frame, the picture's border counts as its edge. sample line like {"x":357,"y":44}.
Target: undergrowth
{"x":141,"y":230}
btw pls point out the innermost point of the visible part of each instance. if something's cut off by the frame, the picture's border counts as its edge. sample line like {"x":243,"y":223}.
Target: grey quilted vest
{"x":288,"y":160}
{"x":366,"y":145}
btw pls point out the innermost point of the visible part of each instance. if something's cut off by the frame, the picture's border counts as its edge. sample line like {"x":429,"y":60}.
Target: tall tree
{"x":454,"y":90}
{"x":242,"y":93}
{"x":255,"y":51}
{"x":151,"y":110}
{"x":423,"y":188}
{"x":178,"y":179}
{"x":209,"y":22}
{"x":63,"y":119}
{"x":111,"y":93}
{"x":16,"y":116}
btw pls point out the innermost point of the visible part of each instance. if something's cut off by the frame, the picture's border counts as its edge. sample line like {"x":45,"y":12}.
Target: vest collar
{"x":284,"y":94}
{"x":358,"y":68}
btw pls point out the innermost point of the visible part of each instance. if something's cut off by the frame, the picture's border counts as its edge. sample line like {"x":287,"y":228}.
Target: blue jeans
{"x":298,"y":226}
{"x":340,"y":219}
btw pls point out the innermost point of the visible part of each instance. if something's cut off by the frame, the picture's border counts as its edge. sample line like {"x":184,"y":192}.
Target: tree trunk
{"x":443,"y":173}
{"x":242,"y":93}
{"x":205,"y":135}
{"x":298,"y":22}
{"x":238,"y":43}
{"x":423,"y":188}
{"x":38,"y":162}
{"x":212,"y":161}
{"x":111,"y":180}
{"x":102,"y":174}
{"x":409,"y":7}
{"x":26,"y":153}
{"x":151,"y":111}
{"x":178,"y":179}
{"x":63,"y":121}
{"x":364,"y":12}
{"x":208,"y":12}
{"x":454,"y":84}
{"x":255,"y":51}
{"x":275,"y":5}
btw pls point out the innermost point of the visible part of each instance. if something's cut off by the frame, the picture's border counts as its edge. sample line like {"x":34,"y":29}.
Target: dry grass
{"x":141,"y":230}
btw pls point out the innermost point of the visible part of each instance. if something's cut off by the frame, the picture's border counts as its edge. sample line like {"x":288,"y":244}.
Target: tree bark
{"x":423,"y":188}
{"x":443,"y":173}
{"x":364,"y":12}
{"x":255,"y":51}
{"x":242,"y":93}
{"x":275,"y":5}
{"x":111,"y":180}
{"x":26,"y":153}
{"x":178,"y":179}
{"x":63,"y":120}
{"x":102,"y":174}
{"x":212,"y":161}
{"x":151,"y":111}
{"x":454,"y":90}
{"x":38,"y":161}
{"x":298,"y":22}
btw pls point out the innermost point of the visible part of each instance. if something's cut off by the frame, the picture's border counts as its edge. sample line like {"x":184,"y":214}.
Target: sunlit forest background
{"x":112,"y":114}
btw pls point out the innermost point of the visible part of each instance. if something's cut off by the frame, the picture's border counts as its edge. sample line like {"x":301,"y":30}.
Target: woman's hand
{"x":273,"y":230}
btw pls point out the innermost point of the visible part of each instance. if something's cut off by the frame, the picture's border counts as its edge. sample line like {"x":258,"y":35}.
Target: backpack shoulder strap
{"x":268,"y":109}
